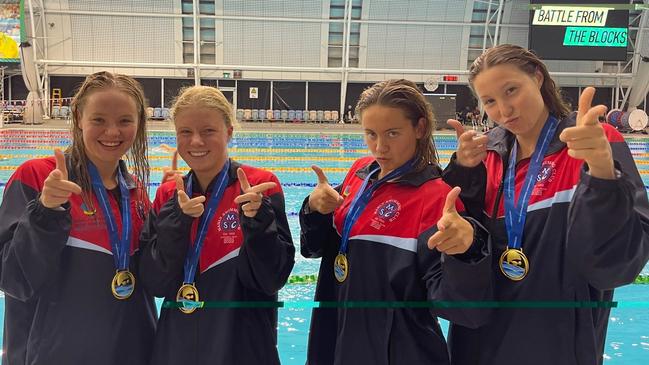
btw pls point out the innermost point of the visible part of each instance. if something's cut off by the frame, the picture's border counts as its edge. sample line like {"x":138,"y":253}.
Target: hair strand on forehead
{"x":204,"y":97}
{"x":136,"y":157}
{"x":404,"y":95}
{"x":527,"y":62}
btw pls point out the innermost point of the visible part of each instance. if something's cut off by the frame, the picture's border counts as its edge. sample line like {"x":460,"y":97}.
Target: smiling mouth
{"x":198,"y":154}
{"x":110,"y":144}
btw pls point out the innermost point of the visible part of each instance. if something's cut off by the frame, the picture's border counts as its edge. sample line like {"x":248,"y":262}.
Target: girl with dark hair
{"x":566,"y":209}
{"x":69,"y":235}
{"x":391,"y":233}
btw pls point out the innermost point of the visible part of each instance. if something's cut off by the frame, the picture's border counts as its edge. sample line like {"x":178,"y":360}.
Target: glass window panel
{"x":337,"y":13}
{"x":208,"y":35}
{"x":336,"y":27}
{"x":336,"y":39}
{"x":188,"y":34}
{"x":335,"y":62}
{"x":336,"y":52}
{"x":207,"y":23}
{"x":208,"y":58}
{"x":207,"y":8}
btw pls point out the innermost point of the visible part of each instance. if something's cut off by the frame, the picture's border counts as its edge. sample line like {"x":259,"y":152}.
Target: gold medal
{"x":514,"y":264}
{"x":123,"y":284}
{"x":87,"y":211}
{"x":341,"y":267}
{"x":188,"y":298}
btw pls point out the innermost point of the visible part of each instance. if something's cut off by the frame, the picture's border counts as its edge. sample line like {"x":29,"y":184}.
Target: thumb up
{"x":191,"y":207}
{"x":56,"y":188}
{"x":471,"y":147}
{"x":324,"y":199}
{"x":454,"y":234}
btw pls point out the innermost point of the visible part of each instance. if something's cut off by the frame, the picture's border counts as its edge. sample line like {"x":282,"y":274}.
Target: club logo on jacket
{"x":546,"y":175}
{"x":228,"y":225}
{"x":385,"y":213}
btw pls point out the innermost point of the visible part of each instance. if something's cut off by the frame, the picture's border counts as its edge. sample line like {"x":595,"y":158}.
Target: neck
{"x":527,"y":141}
{"x":205,"y":178}
{"x":107,"y":172}
{"x":383,"y":173}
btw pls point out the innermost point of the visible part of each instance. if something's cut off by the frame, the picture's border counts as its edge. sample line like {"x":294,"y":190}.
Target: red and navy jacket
{"x":389,"y":260}
{"x":57,"y":267}
{"x":242,"y":259}
{"x":583,"y":237}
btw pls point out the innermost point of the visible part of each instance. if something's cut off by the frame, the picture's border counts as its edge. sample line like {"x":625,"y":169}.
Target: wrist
{"x":602,"y":172}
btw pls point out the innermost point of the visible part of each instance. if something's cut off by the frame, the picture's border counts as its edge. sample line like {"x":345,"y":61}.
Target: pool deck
{"x":60,"y":124}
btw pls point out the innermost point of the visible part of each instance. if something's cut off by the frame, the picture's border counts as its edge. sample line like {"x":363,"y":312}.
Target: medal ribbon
{"x":363,"y":196}
{"x":120,"y":247}
{"x":193,"y":253}
{"x":515,"y":214}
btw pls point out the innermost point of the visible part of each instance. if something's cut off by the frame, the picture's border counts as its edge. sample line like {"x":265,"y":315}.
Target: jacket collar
{"x":413,"y":178}
{"x":501,"y":140}
{"x":232,"y":177}
{"x":130,"y":182}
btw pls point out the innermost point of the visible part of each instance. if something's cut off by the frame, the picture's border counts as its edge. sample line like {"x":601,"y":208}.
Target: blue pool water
{"x":290,"y":156}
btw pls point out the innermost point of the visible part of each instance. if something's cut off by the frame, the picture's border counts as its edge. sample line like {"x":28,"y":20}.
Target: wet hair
{"x":204,"y":97}
{"x":527,"y":62}
{"x":137,"y":155}
{"x":404,"y":95}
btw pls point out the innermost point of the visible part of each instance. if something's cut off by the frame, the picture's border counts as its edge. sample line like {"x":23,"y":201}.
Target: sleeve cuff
{"x":46,"y":215}
{"x":456,"y":171}
{"x":479,"y":248}
{"x":603,"y":184}
{"x":264,"y":217}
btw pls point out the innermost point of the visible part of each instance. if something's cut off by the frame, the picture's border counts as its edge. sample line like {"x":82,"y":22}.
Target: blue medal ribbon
{"x":362,"y":198}
{"x":120,"y":246}
{"x":515,"y":214}
{"x":193,"y":253}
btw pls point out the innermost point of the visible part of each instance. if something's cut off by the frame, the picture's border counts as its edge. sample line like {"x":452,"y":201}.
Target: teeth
{"x":110,"y":144}
{"x":197,"y":154}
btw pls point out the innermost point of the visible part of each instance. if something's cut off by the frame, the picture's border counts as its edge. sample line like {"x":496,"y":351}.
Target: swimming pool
{"x":289,"y":156}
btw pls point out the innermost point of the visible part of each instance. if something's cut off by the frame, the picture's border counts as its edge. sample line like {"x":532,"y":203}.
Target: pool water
{"x":289,"y":156}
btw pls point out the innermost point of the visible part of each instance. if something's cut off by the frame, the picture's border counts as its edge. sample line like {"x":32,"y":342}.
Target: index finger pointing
{"x":180,"y":185}
{"x":322,"y":179}
{"x":263,"y":187}
{"x":174,"y":161}
{"x":585,"y":102}
{"x":459,"y":129}
{"x":243,"y":180}
{"x":449,"y":204}
{"x":60,"y":163}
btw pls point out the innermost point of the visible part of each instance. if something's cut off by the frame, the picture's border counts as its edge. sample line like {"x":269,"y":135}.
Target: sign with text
{"x":580,"y":30}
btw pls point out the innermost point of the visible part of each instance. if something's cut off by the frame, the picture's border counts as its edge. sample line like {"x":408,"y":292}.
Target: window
{"x":337,"y":33}
{"x":207,"y":28}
